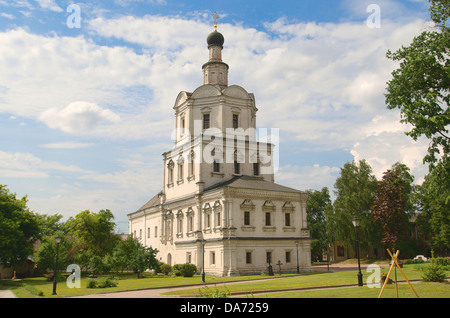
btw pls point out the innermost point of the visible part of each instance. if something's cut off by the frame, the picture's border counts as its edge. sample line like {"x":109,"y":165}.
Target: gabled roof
{"x":248,"y":182}
{"x":152,"y":202}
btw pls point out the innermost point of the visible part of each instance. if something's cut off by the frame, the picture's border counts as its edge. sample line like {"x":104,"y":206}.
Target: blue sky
{"x":85,"y":113}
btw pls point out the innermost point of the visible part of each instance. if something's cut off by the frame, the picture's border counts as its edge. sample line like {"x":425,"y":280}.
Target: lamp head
{"x":356,"y":222}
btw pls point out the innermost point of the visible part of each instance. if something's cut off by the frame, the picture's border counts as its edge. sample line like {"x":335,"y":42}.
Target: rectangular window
{"x":216,"y":166}
{"x":213,"y":258}
{"x":148,"y":232}
{"x":246,"y":218}
{"x":206,"y":121}
{"x":170,"y":175}
{"x":269,"y":257}
{"x":156,"y":231}
{"x":208,"y":220}
{"x":235,"y":121}
{"x":180,"y":171}
{"x":218,"y":218}
{"x":267,"y":218}
{"x":256,"y":169}
{"x":248,"y":257}
{"x":190,"y":223}
{"x":287,"y":219}
{"x":237,"y":168}
{"x":288,"y":257}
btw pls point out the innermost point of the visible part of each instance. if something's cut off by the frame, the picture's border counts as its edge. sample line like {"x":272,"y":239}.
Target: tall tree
{"x":355,"y":190}
{"x":94,"y":232}
{"x":317,"y":206}
{"x":433,"y":203}
{"x":420,"y":89}
{"x":391,"y":205}
{"x":19,"y":229}
{"x":420,"y":86}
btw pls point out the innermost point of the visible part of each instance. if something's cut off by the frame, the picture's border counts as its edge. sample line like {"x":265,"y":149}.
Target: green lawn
{"x":315,"y":280}
{"x":248,"y":289}
{"x":125,"y":282}
{"x":423,"y":290}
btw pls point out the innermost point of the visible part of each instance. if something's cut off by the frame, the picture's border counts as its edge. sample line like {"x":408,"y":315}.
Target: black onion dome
{"x":215,"y":38}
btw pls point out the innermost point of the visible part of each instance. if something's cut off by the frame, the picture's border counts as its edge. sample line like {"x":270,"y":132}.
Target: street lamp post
{"x":203,"y":259}
{"x":55,"y":272}
{"x":298,"y":267}
{"x":356,"y":222}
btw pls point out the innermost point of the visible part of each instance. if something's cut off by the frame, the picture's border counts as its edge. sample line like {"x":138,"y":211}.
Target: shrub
{"x":33,"y":290}
{"x":166,"y":269}
{"x":92,"y":283}
{"x":188,"y":270}
{"x":433,"y":273}
{"x":176,"y":269}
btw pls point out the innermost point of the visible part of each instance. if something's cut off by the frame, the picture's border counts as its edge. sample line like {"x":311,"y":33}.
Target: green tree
{"x":355,"y":190}
{"x":391,"y":206}
{"x":94,"y":234}
{"x":139,"y":257}
{"x":432,"y":201}
{"x":45,"y":256}
{"x":50,"y":224}
{"x":420,"y":86}
{"x":317,"y":206}
{"x":19,"y":229}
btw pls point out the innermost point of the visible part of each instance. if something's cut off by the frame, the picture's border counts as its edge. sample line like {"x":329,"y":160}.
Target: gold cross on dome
{"x":215,"y":15}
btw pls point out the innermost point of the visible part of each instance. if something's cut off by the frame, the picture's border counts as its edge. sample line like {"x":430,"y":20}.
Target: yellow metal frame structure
{"x":395,"y":263}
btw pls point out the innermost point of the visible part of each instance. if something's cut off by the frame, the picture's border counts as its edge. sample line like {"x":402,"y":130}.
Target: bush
{"x":92,"y":283}
{"x":188,"y":270}
{"x":33,"y":290}
{"x":176,"y":269}
{"x":166,"y":269}
{"x":433,"y":273}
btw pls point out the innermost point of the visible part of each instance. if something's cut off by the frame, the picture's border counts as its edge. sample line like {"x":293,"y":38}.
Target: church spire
{"x":216,"y":16}
{"x":215,"y":71}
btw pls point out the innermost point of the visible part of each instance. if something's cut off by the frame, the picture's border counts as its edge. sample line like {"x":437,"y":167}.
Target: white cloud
{"x":307,"y":177}
{"x":67,"y":145}
{"x":384,"y":149}
{"x":26,"y":165}
{"x":7,"y":15}
{"x":78,"y":117}
{"x":50,"y":5}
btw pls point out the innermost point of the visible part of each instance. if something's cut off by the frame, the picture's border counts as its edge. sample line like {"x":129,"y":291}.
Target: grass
{"x":424,"y":290}
{"x":312,"y":280}
{"x":126,"y":282}
{"x":250,"y":288}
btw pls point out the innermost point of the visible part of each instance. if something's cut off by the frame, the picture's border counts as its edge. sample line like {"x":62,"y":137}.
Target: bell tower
{"x":215,"y":71}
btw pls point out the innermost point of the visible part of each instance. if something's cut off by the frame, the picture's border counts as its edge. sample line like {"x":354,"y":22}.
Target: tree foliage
{"x":19,"y":229}
{"x":420,"y":86}
{"x":434,"y":205}
{"x":131,"y":254}
{"x":94,"y":232}
{"x":318,"y":206}
{"x":420,"y":89}
{"x":355,"y":190}
{"x":391,"y":204}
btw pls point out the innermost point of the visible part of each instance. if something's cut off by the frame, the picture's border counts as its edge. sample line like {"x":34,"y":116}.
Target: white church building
{"x":219,"y":207}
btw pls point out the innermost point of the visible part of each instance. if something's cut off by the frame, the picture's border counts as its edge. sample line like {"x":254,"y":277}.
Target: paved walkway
{"x":7,"y":294}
